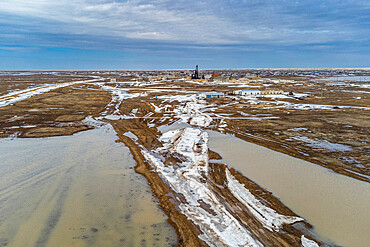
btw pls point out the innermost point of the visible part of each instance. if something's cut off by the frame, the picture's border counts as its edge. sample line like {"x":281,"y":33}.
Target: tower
{"x":196,"y":73}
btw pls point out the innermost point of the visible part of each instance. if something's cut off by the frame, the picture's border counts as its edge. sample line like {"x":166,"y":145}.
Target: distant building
{"x":214,"y":95}
{"x":196,"y":74}
{"x":272,"y":92}
{"x":256,"y":92}
{"x":249,"y":92}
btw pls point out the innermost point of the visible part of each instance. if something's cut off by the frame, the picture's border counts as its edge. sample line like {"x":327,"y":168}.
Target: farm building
{"x":213,"y":95}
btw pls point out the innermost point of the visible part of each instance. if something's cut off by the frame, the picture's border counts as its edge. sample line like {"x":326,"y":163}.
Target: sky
{"x":178,"y":34}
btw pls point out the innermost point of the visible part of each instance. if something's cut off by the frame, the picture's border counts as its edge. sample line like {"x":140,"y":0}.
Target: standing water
{"x":76,"y":190}
{"x":337,"y":206}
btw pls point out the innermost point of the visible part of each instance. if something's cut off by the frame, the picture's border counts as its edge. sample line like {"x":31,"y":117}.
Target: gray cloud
{"x":191,"y":23}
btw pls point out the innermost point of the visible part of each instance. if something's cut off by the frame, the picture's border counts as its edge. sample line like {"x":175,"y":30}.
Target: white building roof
{"x":250,"y":90}
{"x":214,"y":93}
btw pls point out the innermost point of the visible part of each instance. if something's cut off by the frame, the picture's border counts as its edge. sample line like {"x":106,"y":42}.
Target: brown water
{"x":337,"y":206}
{"x":79,"y":190}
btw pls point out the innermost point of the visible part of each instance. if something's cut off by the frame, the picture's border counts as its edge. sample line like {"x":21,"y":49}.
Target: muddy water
{"x":79,"y":190}
{"x":337,"y":206}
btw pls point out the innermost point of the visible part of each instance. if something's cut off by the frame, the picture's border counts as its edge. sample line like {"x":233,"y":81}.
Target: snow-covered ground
{"x":190,"y":109}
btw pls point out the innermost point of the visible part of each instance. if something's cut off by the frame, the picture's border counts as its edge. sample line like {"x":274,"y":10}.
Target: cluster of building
{"x":246,"y":92}
{"x":223,"y":75}
{"x":256,"y":92}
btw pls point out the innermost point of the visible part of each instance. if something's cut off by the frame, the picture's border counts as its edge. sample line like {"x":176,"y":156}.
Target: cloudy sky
{"x":160,"y":34}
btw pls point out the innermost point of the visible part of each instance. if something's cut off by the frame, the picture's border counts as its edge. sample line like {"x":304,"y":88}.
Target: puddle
{"x":179,"y":124}
{"x":76,"y":190}
{"x":346,"y":78}
{"x":337,"y":206}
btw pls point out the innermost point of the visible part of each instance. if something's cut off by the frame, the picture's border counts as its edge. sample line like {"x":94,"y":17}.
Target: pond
{"x":337,"y":206}
{"x":78,"y":190}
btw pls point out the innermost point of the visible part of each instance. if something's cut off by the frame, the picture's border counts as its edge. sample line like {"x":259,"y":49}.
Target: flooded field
{"x":76,"y":190}
{"x":337,"y":206}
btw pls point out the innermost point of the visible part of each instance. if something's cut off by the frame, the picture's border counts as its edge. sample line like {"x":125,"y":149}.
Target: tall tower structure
{"x":196,"y":73}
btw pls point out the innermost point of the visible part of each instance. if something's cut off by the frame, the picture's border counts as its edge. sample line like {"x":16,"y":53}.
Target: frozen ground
{"x":190,"y":180}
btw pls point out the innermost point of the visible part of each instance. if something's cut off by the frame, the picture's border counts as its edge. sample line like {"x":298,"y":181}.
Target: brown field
{"x":335,"y":136}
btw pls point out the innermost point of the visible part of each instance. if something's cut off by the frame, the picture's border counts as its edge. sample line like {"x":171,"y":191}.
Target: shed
{"x":213,"y":95}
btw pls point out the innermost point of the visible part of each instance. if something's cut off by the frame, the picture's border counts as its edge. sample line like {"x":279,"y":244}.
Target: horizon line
{"x":296,"y":68}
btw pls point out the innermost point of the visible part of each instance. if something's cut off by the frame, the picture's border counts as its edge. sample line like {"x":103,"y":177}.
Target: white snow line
{"x":267,"y":216}
{"x":27,"y":93}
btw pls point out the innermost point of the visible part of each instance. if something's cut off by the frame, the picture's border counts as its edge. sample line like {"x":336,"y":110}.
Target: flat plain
{"x":163,"y":117}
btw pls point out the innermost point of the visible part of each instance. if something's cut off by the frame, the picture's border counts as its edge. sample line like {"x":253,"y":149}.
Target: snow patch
{"x":118,"y":95}
{"x":131,"y":135}
{"x":156,"y":108}
{"x":179,"y":98}
{"x":308,"y":242}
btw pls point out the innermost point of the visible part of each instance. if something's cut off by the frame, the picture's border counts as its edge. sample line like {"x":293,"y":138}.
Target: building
{"x":214,"y":95}
{"x":272,"y":92}
{"x":249,"y":92}
{"x":256,"y":92}
{"x":195,"y":75}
